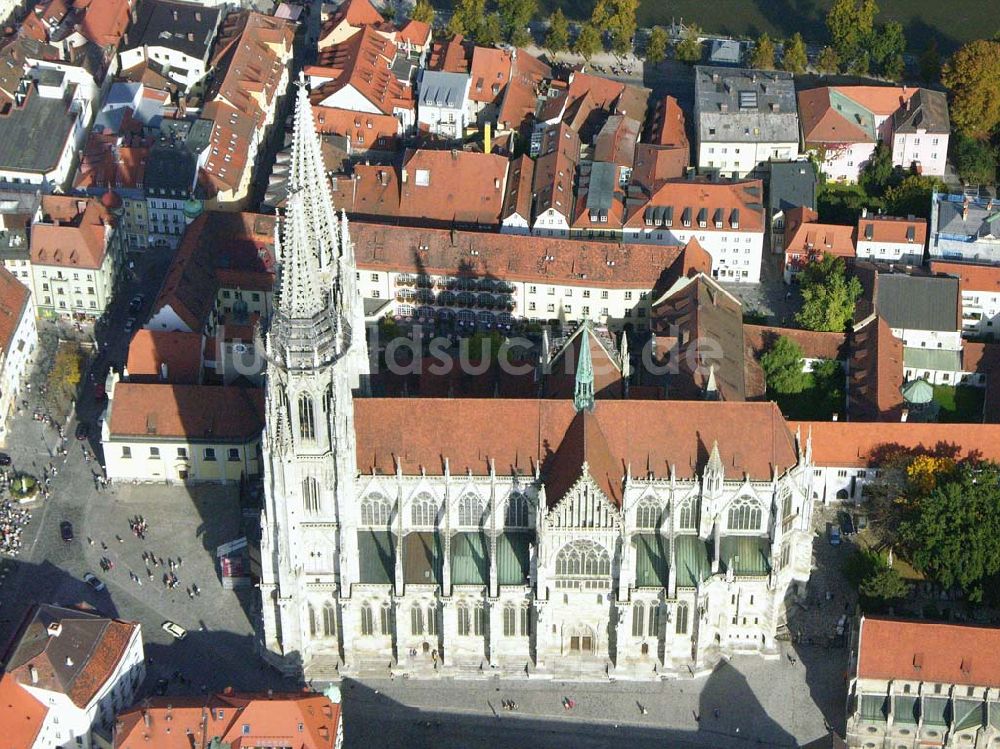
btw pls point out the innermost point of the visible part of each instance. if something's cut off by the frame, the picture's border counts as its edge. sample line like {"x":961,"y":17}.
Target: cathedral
{"x":570,"y":537}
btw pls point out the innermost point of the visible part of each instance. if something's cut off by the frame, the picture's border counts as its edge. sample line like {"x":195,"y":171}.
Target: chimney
{"x":965,"y":210}
{"x":836,"y":417}
{"x":54,"y":629}
{"x":905,"y":415}
{"x":190,"y":36}
{"x":197,"y":15}
{"x":403,"y":176}
{"x":163,"y":371}
{"x":69,"y":661}
{"x":487,"y":139}
{"x":175,"y":15}
{"x":145,"y":713}
{"x":33,"y":673}
{"x":864,"y":212}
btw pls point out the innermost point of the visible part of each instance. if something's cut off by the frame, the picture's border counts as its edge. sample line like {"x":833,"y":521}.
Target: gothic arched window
{"x":416,"y":620}
{"x":687,"y":515}
{"x":328,"y":399}
{"x":310,"y":494}
{"x":525,"y":619}
{"x":647,"y":514}
{"x":385,"y":618}
{"x":329,"y":620}
{"x":425,"y":510}
{"x":744,"y":514}
{"x":432,"y":620}
{"x":470,"y":509}
{"x":312,"y":620}
{"x":307,"y":417}
{"x":654,"y":620}
{"x":375,"y":510}
{"x":464,"y":623}
{"x":367,"y":620}
{"x":583,"y":558}
{"x":517,"y":510}
{"x":638,"y":611}
{"x":681,"y":624}
{"x":509,"y":620}
{"x":786,"y":502}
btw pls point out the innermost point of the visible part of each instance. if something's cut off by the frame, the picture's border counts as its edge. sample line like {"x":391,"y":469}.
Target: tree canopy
{"x":859,"y":44}
{"x":515,"y":15}
{"x":656,"y":49}
{"x":930,"y":63}
{"x":782,"y":365}
{"x":467,"y":17}
{"x":973,"y":75}
{"x":616,"y":18}
{"x":588,"y":42}
{"x":828,"y":61}
{"x":557,"y":38}
{"x":795,"y":59}
{"x":762,"y":56}
{"x":689,"y":48}
{"x":828,"y":295}
{"x":975,"y":160}
{"x":911,"y":196}
{"x":878,"y":172}
{"x":951,"y":531}
{"x":423,"y":11}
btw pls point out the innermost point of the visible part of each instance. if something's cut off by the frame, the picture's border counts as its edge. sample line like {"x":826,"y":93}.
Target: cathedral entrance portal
{"x":578,"y":640}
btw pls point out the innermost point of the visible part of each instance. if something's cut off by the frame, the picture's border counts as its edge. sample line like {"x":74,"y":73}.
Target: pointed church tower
{"x":308,"y":445}
{"x":583,"y":397}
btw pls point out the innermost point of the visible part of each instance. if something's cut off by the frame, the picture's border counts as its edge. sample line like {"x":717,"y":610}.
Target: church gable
{"x":584,"y":506}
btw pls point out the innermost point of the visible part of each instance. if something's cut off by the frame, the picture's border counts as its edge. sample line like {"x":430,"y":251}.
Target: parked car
{"x":174,"y":630}
{"x":161,"y":687}
{"x":136,"y":304}
{"x":82,"y":431}
{"x":91,"y":580}
{"x":834,"y":535}
{"x":4,"y":459}
{"x":129,"y":324}
{"x":847,"y":524}
{"x":66,"y":531}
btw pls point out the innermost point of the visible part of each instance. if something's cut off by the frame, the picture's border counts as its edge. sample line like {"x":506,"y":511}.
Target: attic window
{"x":151,"y":424}
{"x":423,"y":177}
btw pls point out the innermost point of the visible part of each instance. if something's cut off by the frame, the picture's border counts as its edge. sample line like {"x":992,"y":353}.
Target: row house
{"x":807,"y":241}
{"x":891,"y":239}
{"x":243,"y":102}
{"x":174,"y":39}
{"x":842,"y":124}
{"x":726,"y":218}
{"x":745,"y":119}
{"x":964,"y":228}
{"x":793,"y":185}
{"x":169,"y":433}
{"x":352,"y":16}
{"x":66,"y":675}
{"x":18,"y":340}
{"x":478,"y":279}
{"x":366,"y":73}
{"x":442,"y":104}
{"x":77,"y":256}
{"x":980,"y":289}
{"x":554,"y":180}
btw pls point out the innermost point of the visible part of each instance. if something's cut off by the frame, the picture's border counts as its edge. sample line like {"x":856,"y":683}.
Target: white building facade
{"x":16,"y":351}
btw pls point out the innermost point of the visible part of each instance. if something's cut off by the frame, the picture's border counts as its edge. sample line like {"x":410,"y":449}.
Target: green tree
{"x":930,"y":63}
{"x":828,"y":295}
{"x":617,"y":18}
{"x":656,"y":50}
{"x":557,"y":39}
{"x":828,"y":61}
{"x":515,"y":16}
{"x":588,"y":42}
{"x":877,"y":173}
{"x":490,"y":31}
{"x":689,"y":48}
{"x":64,"y":377}
{"x":795,"y":59}
{"x":882,"y":586}
{"x":467,"y":15}
{"x":851,"y":24}
{"x":762,"y":56}
{"x":973,"y":75}
{"x":783,"y":365}
{"x":842,"y":204}
{"x":951,"y":533}
{"x":886,"y":48}
{"x":423,"y":11}
{"x":912,"y":196}
{"x":975,"y":160}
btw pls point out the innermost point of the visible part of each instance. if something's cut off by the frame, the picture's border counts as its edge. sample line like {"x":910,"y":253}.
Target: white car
{"x":174,"y":630}
{"x":91,"y":580}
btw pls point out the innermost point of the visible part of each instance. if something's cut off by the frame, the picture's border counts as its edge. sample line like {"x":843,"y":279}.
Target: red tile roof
{"x":555,"y":170}
{"x":571,"y":262}
{"x":356,"y":13}
{"x":23,"y":714}
{"x":607,"y":94}
{"x":665,"y":124}
{"x":929,"y":652}
{"x":107,"y":163}
{"x":654,"y":165}
{"x":490,"y":72}
{"x":105,"y":21}
{"x":303,"y":720}
{"x":362,"y":62}
{"x":196,"y":413}
{"x":820,"y":123}
{"x":520,"y":97}
{"x":694,"y":195}
{"x":862,"y":444}
{"x":880,"y":100}
{"x":807,"y":240}
{"x":151,"y":350}
{"x":892,"y":229}
{"x":520,"y":175}
{"x":615,"y":142}
{"x":649,"y":436}
{"x":451,"y":56}
{"x":583,"y":451}
{"x":364,"y":131}
{"x":72,"y":232}
{"x":560,"y":378}
{"x":14,"y":298}
{"x":970,"y":277}
{"x":417,"y":33}
{"x":875,"y":372}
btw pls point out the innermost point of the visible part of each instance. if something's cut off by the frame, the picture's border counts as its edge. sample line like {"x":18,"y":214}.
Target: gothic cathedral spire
{"x":583,"y":398}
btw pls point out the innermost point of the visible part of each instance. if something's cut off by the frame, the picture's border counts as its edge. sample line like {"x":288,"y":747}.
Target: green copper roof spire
{"x":584,"y":395}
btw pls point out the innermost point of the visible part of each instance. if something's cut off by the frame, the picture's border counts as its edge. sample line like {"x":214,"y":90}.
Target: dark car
{"x":66,"y":531}
{"x":136,"y":304}
{"x":161,"y":687}
{"x":4,"y":459}
{"x":82,"y":431}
